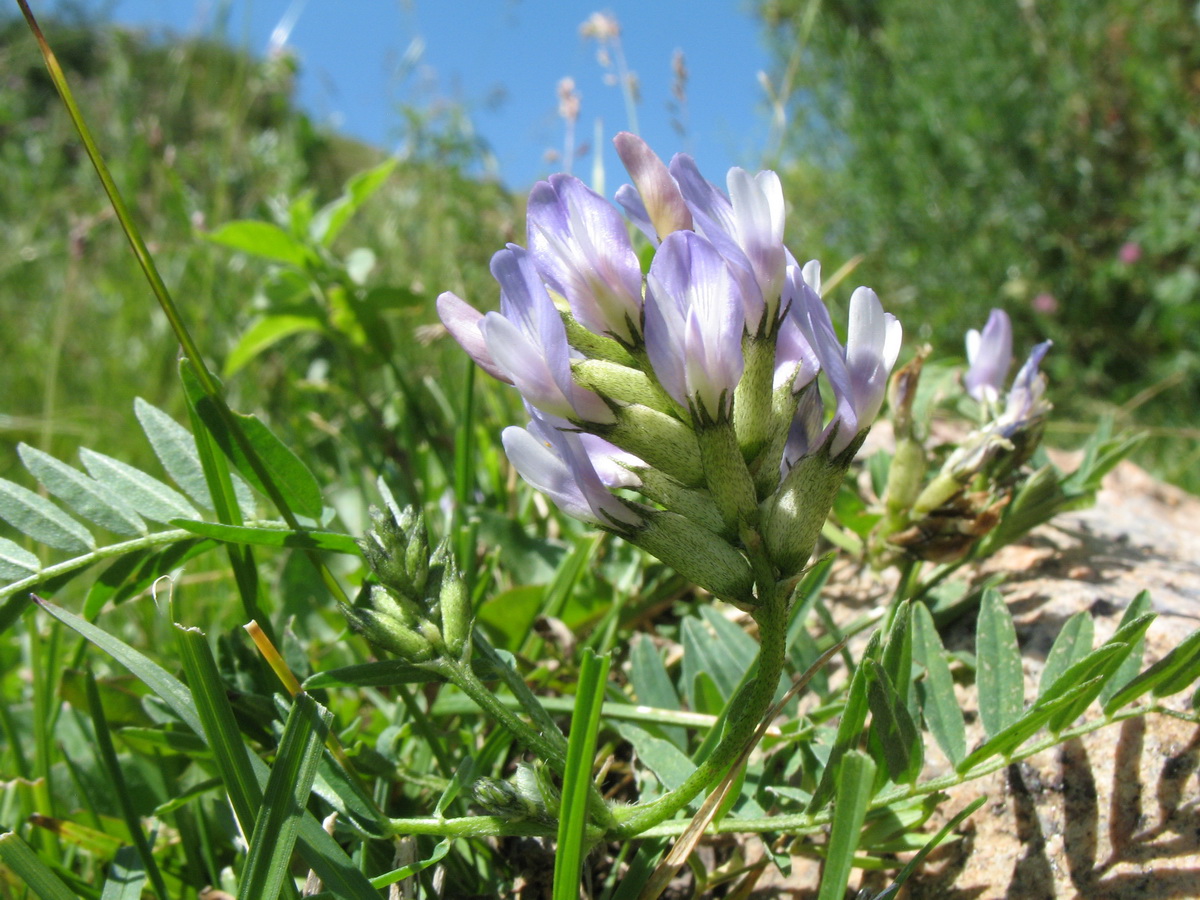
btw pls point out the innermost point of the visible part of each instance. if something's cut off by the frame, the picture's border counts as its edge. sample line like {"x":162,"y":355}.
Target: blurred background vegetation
{"x":1041,"y":157}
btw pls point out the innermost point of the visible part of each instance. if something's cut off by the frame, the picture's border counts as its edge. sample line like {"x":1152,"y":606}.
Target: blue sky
{"x":361,"y":59}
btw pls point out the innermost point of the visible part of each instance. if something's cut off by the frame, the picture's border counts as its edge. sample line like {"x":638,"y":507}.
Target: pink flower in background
{"x":1130,"y":252}
{"x":1045,"y":302}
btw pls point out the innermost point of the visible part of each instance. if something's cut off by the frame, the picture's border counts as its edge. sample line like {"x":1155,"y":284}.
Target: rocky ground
{"x":1115,"y":814}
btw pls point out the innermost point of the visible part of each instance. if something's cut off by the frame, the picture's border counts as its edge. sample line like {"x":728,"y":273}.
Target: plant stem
{"x":803,"y":823}
{"x":752,"y":705}
{"x":541,"y":743}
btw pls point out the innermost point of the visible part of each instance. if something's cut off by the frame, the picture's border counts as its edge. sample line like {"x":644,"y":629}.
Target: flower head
{"x":700,"y":397}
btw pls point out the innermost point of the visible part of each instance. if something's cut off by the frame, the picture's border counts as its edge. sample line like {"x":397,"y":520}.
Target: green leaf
{"x":1102,"y":664}
{"x":331,"y":218}
{"x":668,"y":763}
{"x":296,"y":484}
{"x":1132,"y":664}
{"x":385,"y":673}
{"x":146,"y":494}
{"x":856,"y":776}
{"x":1170,"y":675}
{"x":126,"y":876}
{"x":1094,"y":668}
{"x":1073,"y":643}
{"x":320,"y":851}
{"x":939,"y":704}
{"x":897,"y":735}
{"x":86,"y":496}
{"x":16,"y":562}
{"x":262,"y":239}
{"x":897,"y":651}
{"x":271,"y":534}
{"x":652,"y":685}
{"x":998,"y":665}
{"x":176,"y":449}
{"x":715,"y":653}
{"x":1006,"y":741}
{"x":288,"y":786}
{"x":31,"y":871}
{"x":43,"y":521}
{"x":265,"y":333}
{"x":849,"y":731}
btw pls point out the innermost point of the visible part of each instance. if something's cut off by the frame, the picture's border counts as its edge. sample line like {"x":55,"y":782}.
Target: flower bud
{"x":457,"y":615}
{"x":397,"y":550}
{"x":388,"y":634}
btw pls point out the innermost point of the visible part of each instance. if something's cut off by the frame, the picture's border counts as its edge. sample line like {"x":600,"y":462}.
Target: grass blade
{"x":285,"y":798}
{"x":577,"y":777}
{"x":25,"y":864}
{"x":319,"y":850}
{"x":998,"y":674}
{"x":108,"y":758}
{"x":125,"y":876}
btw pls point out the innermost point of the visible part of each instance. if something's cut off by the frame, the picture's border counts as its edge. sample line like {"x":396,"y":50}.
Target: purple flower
{"x":1025,"y":402}
{"x":463,"y":321}
{"x":558,"y":464}
{"x":582,"y":249}
{"x":857,"y":372}
{"x":525,"y":344}
{"x":746,"y":228}
{"x":654,"y":202}
{"x":694,"y":324}
{"x":990,"y":357}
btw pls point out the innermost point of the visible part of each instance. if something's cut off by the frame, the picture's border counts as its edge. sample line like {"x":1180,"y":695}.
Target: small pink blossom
{"x":1045,"y":302}
{"x":1130,"y":252}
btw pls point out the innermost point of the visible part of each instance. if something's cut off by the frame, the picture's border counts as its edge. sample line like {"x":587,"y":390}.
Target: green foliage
{"x":1044,"y":159}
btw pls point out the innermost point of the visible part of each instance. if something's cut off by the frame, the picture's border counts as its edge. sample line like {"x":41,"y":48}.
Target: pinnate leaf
{"x":176,"y":449}
{"x":16,"y":562}
{"x":37,"y":517}
{"x":939,"y":704}
{"x":85,"y":495}
{"x":145,"y":493}
{"x":998,"y":665}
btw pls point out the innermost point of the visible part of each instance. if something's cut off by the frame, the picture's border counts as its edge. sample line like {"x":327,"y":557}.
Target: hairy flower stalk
{"x":680,"y":410}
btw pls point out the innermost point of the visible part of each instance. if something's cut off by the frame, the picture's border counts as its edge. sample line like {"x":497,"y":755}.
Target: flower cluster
{"x":680,"y":407}
{"x":942,"y":520}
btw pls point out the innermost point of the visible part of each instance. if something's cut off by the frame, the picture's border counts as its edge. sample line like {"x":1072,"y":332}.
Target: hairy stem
{"x":751,"y":705}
